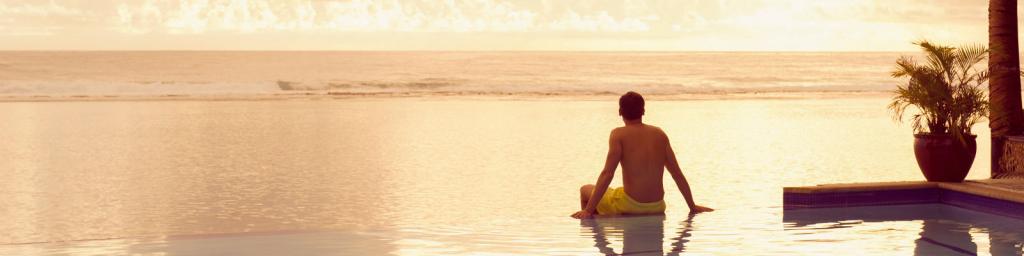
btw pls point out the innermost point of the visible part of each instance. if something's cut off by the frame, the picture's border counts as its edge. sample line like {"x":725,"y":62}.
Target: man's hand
{"x":583,"y":215}
{"x":700,"y":209}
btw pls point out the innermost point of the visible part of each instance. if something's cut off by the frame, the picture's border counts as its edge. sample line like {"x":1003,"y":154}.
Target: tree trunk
{"x":1005,"y":115}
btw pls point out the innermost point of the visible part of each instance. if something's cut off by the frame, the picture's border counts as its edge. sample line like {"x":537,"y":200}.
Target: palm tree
{"x":1006,"y":117}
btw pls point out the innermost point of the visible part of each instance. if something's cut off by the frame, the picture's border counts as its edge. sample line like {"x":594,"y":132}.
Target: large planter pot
{"x":943,"y":158}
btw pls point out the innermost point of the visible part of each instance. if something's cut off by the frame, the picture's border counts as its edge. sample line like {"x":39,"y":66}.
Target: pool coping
{"x":979,"y":195}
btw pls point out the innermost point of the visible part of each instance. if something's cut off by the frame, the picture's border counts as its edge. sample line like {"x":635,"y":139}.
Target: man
{"x":645,"y":152}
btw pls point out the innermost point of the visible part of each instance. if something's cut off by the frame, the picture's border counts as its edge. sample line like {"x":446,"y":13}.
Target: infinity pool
{"x":928,"y":229}
{"x":452,"y":176}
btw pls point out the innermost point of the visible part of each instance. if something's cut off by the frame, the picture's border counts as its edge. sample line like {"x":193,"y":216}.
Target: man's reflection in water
{"x":943,"y":237}
{"x":641,"y":235}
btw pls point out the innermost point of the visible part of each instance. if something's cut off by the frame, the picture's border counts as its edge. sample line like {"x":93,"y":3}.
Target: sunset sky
{"x":615,"y":25}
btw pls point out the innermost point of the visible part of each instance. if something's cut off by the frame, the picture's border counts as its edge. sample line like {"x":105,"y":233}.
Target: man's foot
{"x":583,"y":215}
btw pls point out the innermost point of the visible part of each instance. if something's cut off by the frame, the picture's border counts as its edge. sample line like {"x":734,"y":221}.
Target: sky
{"x":483,"y":25}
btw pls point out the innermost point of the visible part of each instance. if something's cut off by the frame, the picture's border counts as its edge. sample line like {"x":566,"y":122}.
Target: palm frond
{"x":946,"y":91}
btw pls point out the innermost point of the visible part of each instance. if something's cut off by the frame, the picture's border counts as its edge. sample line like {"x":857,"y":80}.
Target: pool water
{"x":443,"y":176}
{"x":941,"y":229}
{"x":927,"y":229}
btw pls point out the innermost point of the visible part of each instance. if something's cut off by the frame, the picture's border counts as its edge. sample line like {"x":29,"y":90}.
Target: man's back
{"x":644,"y":153}
{"x":644,"y":149}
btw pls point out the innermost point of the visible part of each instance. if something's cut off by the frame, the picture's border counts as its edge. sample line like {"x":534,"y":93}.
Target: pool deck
{"x":997,"y":196}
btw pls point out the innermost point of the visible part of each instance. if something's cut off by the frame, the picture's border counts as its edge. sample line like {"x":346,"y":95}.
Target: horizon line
{"x":453,"y":51}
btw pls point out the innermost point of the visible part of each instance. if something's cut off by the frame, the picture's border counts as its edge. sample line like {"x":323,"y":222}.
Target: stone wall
{"x":1013,"y":159}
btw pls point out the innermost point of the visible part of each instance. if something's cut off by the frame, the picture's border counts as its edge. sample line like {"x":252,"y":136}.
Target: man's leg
{"x":585,"y":192}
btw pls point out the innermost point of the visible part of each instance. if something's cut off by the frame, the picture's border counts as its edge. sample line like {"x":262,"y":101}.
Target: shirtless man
{"x":645,"y":153}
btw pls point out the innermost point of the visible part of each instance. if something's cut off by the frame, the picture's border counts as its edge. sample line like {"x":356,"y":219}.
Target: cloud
{"x":140,"y":19}
{"x":198,"y":16}
{"x":601,"y":22}
{"x":589,"y":24}
{"x":33,"y":19}
{"x":36,"y":10}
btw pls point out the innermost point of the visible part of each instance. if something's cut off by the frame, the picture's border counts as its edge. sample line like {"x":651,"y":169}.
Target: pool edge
{"x":979,"y":195}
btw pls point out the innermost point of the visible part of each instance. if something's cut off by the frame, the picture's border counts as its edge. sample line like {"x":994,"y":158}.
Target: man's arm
{"x":677,"y":174}
{"x":605,"y":179}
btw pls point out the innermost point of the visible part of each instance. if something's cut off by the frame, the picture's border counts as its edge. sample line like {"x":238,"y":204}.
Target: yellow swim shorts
{"x":615,"y":202}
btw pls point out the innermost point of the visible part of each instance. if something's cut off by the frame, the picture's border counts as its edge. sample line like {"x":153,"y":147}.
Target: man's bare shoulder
{"x":617,"y":132}
{"x":654,"y":127}
{"x":657,"y":130}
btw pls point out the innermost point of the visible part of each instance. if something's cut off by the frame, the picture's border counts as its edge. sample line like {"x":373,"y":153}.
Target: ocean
{"x":398,"y":167}
{"x":86,"y":74}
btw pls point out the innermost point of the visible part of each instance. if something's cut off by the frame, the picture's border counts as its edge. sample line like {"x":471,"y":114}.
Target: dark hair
{"x":631,"y":105}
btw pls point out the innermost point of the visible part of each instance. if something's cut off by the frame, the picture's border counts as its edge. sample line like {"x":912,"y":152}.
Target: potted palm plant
{"x":947,"y":98}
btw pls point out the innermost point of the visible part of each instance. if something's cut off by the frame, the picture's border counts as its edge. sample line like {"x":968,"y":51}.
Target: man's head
{"x":631,"y":106}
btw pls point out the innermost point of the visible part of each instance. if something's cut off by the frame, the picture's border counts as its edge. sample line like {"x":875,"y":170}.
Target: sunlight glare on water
{"x":429,"y":176}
